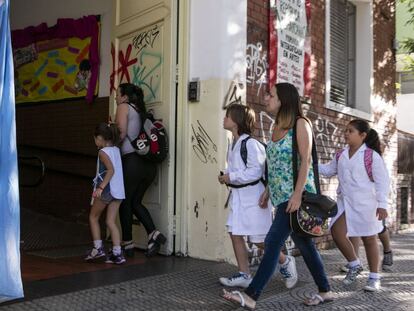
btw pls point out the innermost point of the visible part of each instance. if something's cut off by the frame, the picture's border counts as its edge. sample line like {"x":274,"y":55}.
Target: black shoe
{"x":154,"y":245}
{"x":129,"y":249}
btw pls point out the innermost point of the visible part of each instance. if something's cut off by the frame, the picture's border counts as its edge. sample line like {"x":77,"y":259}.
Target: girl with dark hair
{"x":108,"y":191}
{"x":362,"y":198}
{"x":138,"y":173}
{"x":246,"y":217}
{"x":283,"y":101}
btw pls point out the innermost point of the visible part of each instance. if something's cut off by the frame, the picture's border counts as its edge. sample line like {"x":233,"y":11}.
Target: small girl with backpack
{"x":108,"y":192}
{"x":362,"y":198}
{"x":244,"y":176}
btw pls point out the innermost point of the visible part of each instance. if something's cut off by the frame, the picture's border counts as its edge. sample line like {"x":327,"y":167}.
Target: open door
{"x":143,"y":53}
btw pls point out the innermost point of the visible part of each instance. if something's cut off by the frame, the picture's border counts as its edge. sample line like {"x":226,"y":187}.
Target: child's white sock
{"x":116,"y":250}
{"x":375,"y":276}
{"x":354,"y":263}
{"x":97,"y":244}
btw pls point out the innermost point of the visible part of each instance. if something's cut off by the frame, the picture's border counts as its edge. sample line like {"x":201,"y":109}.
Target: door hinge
{"x":177,"y":74}
{"x":174,"y":229}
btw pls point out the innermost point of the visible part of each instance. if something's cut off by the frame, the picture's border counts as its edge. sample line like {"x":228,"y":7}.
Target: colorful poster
{"x":289,"y":43}
{"x":65,"y":65}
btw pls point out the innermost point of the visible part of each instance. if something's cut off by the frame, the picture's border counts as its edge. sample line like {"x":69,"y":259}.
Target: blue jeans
{"x":275,"y":239}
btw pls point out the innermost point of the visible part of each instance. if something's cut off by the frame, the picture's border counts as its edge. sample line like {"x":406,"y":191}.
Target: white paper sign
{"x":291,"y":27}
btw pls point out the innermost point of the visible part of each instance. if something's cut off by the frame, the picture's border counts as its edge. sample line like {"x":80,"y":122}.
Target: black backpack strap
{"x":243,"y":155}
{"x":243,"y":149}
{"x":295,"y":159}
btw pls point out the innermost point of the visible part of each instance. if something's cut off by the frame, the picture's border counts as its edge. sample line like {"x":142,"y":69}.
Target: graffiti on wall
{"x":234,"y":94}
{"x":139,"y":61}
{"x":325,"y":131}
{"x":266,"y":131}
{"x":145,"y":38}
{"x":203,"y":146}
{"x":256,"y":65}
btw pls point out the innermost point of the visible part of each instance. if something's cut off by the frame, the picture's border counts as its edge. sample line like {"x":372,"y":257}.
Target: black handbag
{"x":312,"y":217}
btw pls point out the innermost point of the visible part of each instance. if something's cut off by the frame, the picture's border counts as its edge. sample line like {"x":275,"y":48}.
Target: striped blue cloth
{"x":10,"y":276}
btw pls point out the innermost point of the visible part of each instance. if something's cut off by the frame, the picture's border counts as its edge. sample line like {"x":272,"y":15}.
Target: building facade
{"x":203,"y":56}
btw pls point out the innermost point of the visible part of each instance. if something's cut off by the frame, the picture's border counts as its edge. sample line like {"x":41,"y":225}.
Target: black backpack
{"x":243,"y":154}
{"x":152,"y":141}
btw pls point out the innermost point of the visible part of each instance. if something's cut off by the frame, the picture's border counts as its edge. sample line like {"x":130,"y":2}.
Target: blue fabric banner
{"x":10,"y":276}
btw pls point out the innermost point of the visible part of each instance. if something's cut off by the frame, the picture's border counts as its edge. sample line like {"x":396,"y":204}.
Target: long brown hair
{"x":291,"y":107}
{"x":243,"y":116}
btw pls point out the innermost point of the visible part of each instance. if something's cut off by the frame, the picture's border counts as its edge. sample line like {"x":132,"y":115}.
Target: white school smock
{"x":358,"y":196}
{"x":246,"y":217}
{"x":117,"y":181}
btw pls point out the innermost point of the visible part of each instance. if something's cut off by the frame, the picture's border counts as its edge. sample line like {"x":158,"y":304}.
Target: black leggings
{"x":138,"y":176}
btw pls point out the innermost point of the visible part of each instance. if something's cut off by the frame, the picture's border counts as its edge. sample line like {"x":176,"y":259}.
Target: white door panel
{"x":143,"y":54}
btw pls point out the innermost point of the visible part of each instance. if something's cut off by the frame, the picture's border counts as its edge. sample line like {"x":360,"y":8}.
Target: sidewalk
{"x":197,"y":288}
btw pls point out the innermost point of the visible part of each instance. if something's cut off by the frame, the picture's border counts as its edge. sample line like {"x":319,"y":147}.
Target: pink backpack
{"x":368,"y":158}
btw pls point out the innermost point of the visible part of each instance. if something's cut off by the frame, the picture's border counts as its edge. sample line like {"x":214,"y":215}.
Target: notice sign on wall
{"x":288,"y":43}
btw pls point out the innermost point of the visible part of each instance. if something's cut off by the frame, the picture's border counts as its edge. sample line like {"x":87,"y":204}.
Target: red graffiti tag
{"x":125,"y":62}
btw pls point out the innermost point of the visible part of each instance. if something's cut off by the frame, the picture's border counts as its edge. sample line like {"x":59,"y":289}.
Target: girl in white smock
{"x":108,"y":192}
{"x":245,"y":177}
{"x":362,"y":198}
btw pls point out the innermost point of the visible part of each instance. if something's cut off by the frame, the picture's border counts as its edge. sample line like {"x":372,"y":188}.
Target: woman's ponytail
{"x":372,"y":139}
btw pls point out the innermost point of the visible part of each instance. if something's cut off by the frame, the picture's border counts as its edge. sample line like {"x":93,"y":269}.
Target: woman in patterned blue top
{"x":283,"y":101}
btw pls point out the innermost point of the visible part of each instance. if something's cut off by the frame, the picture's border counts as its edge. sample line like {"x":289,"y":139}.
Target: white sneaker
{"x":288,"y":271}
{"x":238,"y":280}
{"x":373,"y":285}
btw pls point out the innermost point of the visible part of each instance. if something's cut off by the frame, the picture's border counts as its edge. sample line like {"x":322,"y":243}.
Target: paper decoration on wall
{"x":53,"y":63}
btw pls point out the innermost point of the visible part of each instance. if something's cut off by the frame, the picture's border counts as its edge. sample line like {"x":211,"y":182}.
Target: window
{"x":342,"y":39}
{"x":406,"y":80}
{"x":349,"y":53}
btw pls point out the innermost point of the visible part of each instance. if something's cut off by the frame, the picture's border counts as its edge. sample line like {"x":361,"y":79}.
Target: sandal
{"x":154,"y":244}
{"x":317,"y":299}
{"x":239,"y":298}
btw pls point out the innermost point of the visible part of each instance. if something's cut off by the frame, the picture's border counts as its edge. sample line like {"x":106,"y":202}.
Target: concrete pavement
{"x":197,"y":288}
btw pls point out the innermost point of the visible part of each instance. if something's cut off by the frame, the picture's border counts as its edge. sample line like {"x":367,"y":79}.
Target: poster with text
{"x":289,"y":43}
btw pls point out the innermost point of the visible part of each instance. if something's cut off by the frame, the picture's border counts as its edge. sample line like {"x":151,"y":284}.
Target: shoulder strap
{"x":368,"y":159}
{"x":295,"y":159}
{"x":243,"y":155}
{"x":243,"y":149}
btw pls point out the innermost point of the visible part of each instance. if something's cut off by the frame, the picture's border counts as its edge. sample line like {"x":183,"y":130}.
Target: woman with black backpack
{"x":138,"y":173}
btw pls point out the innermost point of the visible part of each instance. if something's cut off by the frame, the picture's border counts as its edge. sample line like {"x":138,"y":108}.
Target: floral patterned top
{"x":280,"y":172}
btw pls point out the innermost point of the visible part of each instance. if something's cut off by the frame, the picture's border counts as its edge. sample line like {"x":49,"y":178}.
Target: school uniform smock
{"x":246,"y":217}
{"x":117,"y":181}
{"x":358,"y":196}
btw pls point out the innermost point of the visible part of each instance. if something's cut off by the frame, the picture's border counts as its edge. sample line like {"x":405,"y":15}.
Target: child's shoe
{"x":288,"y":272}
{"x":115,"y":259}
{"x":95,"y":253}
{"x":373,"y":285}
{"x":238,"y":280}
{"x":352,"y":275}
{"x":387,"y":261}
